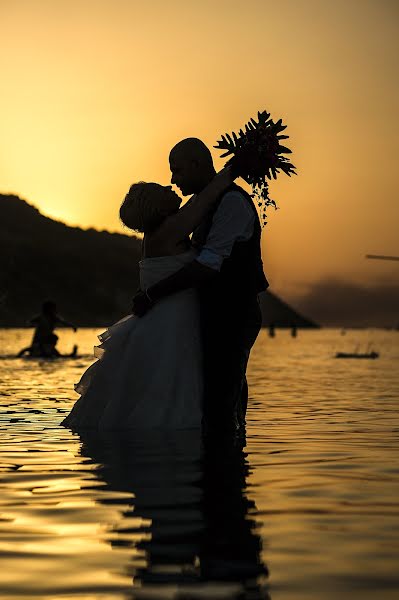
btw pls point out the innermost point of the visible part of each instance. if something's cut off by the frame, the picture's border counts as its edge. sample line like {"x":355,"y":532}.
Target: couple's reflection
{"x":191,"y":524}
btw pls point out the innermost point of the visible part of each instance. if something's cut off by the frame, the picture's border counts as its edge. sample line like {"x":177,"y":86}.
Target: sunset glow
{"x":95,"y":93}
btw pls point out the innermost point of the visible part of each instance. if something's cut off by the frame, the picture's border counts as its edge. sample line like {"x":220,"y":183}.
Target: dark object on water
{"x":357,"y":355}
{"x":26,"y":353}
{"x":382,"y":257}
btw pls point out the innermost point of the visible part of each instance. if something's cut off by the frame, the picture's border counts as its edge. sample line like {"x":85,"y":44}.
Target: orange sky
{"x":96,"y":92}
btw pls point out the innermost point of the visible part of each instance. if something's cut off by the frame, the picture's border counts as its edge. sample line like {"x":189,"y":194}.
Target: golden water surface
{"x":308,"y":511}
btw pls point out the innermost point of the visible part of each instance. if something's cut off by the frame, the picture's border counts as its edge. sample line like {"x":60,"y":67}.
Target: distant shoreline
{"x":287,"y":328}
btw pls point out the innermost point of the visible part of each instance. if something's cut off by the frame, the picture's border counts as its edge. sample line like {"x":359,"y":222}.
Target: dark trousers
{"x":229,"y":331}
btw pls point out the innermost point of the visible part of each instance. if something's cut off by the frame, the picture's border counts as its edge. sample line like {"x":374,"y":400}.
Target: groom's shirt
{"x":233,"y":221}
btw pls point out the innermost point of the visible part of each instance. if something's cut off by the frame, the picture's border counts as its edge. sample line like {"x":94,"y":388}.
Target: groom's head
{"x":191,"y":165}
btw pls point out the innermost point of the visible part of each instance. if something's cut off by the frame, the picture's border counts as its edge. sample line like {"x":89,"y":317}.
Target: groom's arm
{"x":194,"y":274}
{"x":233,"y":221}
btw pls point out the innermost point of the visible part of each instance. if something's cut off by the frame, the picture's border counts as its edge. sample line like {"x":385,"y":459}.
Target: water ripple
{"x":308,"y":511}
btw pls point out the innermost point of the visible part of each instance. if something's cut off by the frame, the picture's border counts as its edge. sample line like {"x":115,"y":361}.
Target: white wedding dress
{"x":149,"y":374}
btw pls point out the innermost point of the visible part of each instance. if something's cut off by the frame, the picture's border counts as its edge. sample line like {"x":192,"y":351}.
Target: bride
{"x":149,"y":372}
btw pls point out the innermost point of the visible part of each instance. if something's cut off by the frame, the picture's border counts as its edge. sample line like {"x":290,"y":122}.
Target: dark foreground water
{"x":308,"y":511}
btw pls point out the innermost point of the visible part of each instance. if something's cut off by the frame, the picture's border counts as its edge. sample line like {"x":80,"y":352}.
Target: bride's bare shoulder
{"x":158,"y":243}
{"x":153,"y":245}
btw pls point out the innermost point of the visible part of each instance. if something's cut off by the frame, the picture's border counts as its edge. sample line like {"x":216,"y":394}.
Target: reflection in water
{"x":323,"y":451}
{"x":191,"y":526}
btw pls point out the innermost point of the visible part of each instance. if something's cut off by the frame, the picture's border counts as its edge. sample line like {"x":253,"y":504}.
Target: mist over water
{"x":308,"y":510}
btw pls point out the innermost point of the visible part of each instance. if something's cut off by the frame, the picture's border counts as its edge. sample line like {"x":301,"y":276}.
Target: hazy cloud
{"x":342,"y":303}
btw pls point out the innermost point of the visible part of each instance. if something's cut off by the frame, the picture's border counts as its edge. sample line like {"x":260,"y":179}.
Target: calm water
{"x":308,"y":511}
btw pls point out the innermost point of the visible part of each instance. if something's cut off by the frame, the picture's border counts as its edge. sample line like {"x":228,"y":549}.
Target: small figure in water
{"x":44,"y":340}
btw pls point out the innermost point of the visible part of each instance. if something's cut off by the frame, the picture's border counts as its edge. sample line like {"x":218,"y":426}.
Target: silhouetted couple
{"x":180,"y":360}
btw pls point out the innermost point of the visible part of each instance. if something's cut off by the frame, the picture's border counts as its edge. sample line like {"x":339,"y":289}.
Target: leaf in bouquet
{"x":258,"y":152}
{"x":284,"y":150}
{"x":263,"y":116}
{"x":277,"y":127}
{"x":288,"y":169}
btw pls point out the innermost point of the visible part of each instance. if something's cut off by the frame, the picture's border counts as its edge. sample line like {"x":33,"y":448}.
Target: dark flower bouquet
{"x":257,"y":155}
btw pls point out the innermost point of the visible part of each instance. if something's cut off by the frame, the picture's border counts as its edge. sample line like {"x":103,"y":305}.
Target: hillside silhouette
{"x":277,"y":313}
{"x":91,"y":275}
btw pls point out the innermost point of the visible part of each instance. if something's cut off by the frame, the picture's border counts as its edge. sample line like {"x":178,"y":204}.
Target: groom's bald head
{"x":192,"y":149}
{"x":191,"y":165}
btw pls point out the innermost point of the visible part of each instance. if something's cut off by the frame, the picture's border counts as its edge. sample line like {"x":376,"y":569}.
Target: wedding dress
{"x":149,"y":374}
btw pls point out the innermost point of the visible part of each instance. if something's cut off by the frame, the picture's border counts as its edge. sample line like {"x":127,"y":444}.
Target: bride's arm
{"x":187,"y":218}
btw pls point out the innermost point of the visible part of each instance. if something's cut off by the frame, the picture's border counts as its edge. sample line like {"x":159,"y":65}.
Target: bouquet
{"x":257,"y":156}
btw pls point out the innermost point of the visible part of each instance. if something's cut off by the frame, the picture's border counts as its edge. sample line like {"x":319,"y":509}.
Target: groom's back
{"x":241,"y":275}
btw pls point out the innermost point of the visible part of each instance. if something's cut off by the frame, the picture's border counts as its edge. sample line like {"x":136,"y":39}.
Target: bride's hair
{"x":142,"y":209}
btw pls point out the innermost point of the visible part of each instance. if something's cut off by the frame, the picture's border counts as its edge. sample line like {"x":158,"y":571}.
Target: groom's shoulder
{"x":234,"y":190}
{"x":236,"y":196}
{"x":233,"y":187}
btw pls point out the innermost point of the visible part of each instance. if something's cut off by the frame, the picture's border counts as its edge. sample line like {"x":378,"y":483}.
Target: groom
{"x":228,"y":274}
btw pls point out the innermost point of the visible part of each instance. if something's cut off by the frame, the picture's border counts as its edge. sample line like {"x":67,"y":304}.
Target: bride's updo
{"x":146,"y":205}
